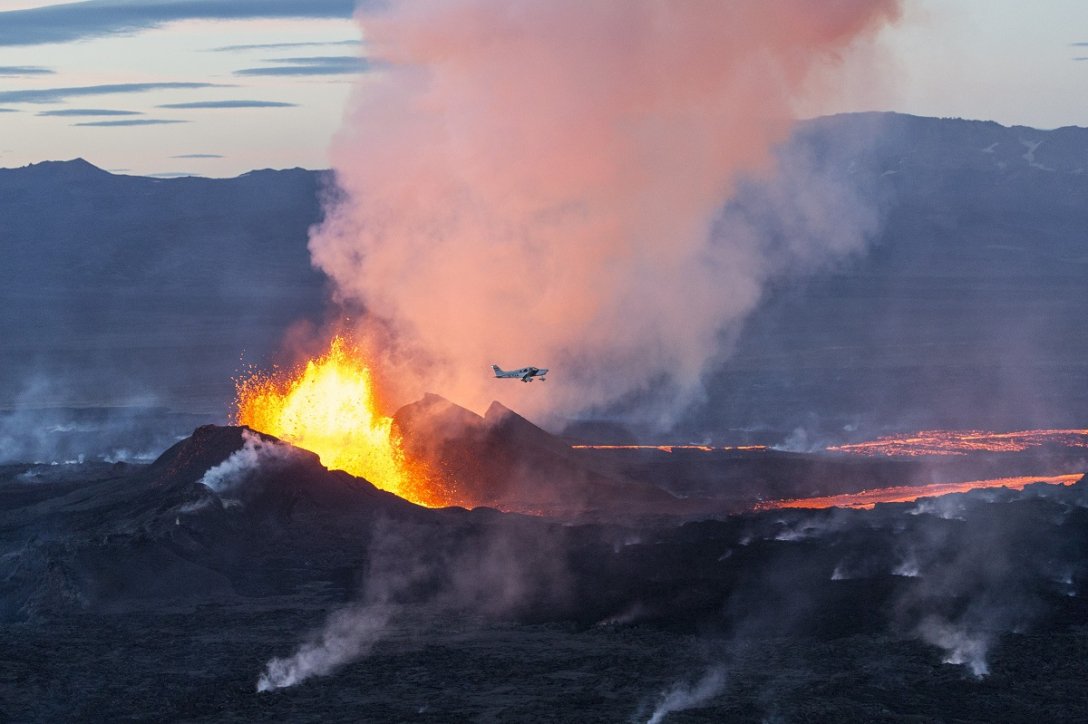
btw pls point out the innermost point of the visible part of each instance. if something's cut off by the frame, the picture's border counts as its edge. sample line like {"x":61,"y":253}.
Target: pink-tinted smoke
{"x":533,"y":182}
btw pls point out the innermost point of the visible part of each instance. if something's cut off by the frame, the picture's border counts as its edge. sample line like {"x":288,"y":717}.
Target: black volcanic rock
{"x":502,"y":460}
{"x":136,"y":603}
{"x":158,"y":532}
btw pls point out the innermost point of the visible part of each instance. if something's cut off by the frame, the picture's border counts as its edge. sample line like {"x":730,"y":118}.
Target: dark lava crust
{"x":139,"y":592}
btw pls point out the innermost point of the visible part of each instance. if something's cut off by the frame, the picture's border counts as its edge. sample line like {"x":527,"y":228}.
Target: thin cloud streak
{"x":96,"y":18}
{"x":8,"y":71}
{"x":320,"y":60}
{"x":56,"y":95}
{"x":131,"y":122}
{"x":88,"y":112}
{"x":229,"y":104}
{"x":283,"y":46}
{"x":330,"y":65}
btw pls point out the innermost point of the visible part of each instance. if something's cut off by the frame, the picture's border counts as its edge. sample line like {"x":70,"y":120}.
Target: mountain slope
{"x":121,"y":288}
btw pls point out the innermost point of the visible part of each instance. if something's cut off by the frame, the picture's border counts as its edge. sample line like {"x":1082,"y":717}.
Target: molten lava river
{"x":866,"y":499}
{"x":330,"y":408}
{"x":963,"y":442}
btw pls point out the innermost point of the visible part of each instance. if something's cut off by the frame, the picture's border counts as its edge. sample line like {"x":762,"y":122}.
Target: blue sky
{"x":219,"y":87}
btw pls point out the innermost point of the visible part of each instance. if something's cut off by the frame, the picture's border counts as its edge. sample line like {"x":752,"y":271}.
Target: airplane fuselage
{"x":525,"y":374}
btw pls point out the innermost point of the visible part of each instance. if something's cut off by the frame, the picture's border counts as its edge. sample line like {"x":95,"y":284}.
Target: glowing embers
{"x":329,"y":407}
{"x":963,"y":442}
{"x":910,"y":493}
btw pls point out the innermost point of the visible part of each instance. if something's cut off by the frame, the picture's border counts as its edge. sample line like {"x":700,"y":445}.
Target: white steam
{"x":348,"y":634}
{"x":688,"y":696}
{"x":254,"y":454}
{"x":961,"y":647}
{"x":542,"y":182}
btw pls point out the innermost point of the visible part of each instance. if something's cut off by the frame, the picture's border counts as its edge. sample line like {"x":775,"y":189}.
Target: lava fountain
{"x":329,"y":406}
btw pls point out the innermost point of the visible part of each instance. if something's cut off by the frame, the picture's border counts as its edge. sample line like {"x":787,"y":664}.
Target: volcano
{"x":502,"y":460}
{"x":232,"y":545}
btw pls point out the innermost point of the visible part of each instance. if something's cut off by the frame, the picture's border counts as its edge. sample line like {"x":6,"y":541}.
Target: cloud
{"x":56,"y":95}
{"x":88,"y":112}
{"x":320,"y":60}
{"x":132,"y":122}
{"x":230,"y":104}
{"x":8,"y":110}
{"x":198,"y":155}
{"x":321,"y":65}
{"x":283,"y":46}
{"x":16,"y":70}
{"x":95,"y":18}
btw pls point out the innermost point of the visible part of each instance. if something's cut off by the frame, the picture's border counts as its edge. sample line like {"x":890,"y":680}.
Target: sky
{"x":221,"y":87}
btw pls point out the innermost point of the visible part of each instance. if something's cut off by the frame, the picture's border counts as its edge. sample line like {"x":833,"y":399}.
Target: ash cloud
{"x":543,"y":183}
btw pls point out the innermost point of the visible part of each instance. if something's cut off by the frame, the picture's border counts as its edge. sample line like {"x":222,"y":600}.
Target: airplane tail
{"x":498,"y":370}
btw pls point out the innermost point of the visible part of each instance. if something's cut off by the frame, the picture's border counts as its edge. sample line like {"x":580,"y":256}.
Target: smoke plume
{"x":347,"y":635}
{"x":254,"y":454}
{"x":540,"y":182}
{"x":681,"y":697}
{"x":503,"y":569}
{"x":960,"y":645}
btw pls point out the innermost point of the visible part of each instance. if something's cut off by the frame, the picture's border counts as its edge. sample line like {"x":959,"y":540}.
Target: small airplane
{"x":526,"y":374}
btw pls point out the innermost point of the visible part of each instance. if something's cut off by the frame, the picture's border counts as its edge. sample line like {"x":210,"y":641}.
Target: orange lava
{"x":671,"y":448}
{"x":329,"y":407}
{"x":908,"y":493}
{"x":963,"y":442}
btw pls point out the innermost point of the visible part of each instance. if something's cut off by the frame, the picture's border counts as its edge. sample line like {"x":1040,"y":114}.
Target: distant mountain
{"x":966,"y":307}
{"x":122,"y":288}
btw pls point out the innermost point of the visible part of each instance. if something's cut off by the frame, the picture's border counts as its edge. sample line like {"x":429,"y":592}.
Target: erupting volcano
{"x":329,"y":406}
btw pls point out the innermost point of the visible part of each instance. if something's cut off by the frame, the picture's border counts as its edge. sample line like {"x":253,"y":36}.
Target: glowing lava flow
{"x":328,"y":407}
{"x":909,"y":493}
{"x":963,"y":442}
